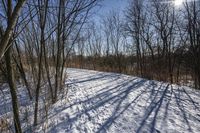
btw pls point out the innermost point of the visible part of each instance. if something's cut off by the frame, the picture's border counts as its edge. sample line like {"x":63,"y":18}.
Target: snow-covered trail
{"x":109,"y":102}
{"x":99,"y":102}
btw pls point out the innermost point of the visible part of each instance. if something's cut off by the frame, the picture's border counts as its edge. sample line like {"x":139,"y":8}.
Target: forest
{"x":157,"y":40}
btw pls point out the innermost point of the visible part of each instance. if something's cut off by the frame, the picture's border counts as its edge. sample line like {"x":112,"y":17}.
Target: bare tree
{"x":135,"y":23}
{"x":4,"y":43}
{"x":42,"y":21}
{"x":114,"y":37}
{"x":193,"y":29}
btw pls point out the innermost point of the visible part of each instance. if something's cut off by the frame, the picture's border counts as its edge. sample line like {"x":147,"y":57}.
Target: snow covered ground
{"x":99,"y":102}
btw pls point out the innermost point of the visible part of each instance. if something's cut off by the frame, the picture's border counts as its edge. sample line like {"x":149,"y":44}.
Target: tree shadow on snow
{"x":117,"y":98}
{"x":113,"y":94}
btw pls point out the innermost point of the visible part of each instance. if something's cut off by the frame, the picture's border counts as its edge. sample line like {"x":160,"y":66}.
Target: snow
{"x":115,"y":103}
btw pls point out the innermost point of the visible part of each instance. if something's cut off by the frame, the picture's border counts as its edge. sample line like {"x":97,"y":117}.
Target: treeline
{"x":127,"y":65}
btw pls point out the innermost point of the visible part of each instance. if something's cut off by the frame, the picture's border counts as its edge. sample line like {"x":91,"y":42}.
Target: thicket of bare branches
{"x":35,"y":46}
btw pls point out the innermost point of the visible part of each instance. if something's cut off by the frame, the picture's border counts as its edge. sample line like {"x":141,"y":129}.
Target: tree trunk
{"x":22,"y":72}
{"x":11,"y":82}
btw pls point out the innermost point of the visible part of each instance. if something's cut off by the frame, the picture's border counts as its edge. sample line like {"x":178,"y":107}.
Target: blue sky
{"x":110,"y":5}
{"x":113,"y":5}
